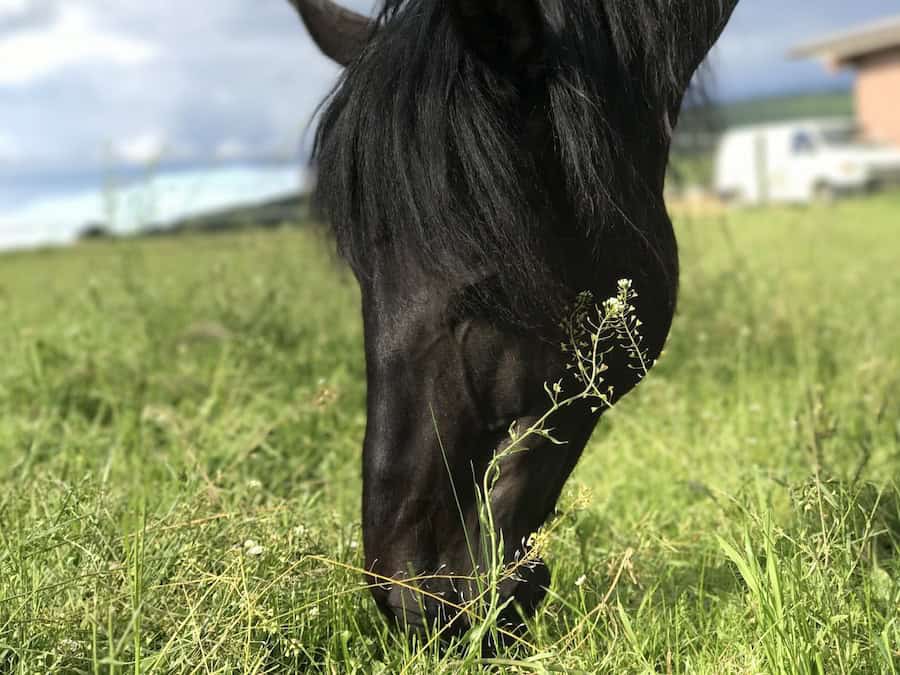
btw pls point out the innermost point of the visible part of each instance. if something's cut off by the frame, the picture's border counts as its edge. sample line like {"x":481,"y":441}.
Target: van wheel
{"x":824,"y":193}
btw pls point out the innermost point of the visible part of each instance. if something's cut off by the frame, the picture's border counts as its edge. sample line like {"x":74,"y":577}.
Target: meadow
{"x":180,"y":441}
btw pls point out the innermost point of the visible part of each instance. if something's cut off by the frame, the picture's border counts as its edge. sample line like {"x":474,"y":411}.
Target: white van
{"x":797,"y":162}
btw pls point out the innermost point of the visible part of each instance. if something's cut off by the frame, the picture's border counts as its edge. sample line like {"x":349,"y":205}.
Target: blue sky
{"x":90,"y":85}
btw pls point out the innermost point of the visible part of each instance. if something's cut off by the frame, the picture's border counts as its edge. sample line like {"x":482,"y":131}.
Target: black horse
{"x":480,"y":163}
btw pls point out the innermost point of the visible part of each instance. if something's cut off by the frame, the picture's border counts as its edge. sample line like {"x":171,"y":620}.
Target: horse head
{"x":480,"y":163}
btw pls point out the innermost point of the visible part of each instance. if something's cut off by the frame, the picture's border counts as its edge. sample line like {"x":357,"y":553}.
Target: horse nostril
{"x":533,"y":587}
{"x":421,"y":609}
{"x":528,"y":592}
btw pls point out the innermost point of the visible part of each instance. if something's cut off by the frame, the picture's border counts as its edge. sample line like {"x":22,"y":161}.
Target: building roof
{"x":848,"y":46}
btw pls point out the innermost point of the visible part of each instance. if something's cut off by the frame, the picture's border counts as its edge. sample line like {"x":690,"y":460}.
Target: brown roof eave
{"x":847,"y":48}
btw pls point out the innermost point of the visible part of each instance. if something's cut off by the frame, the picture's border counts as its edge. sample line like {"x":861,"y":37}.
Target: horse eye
{"x":501,"y":426}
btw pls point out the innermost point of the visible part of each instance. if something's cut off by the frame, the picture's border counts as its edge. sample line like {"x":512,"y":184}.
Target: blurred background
{"x":182,"y":416}
{"x":120,"y":116}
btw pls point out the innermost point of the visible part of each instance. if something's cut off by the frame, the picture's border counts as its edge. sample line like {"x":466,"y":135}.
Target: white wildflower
{"x":69,"y":646}
{"x":252,"y":548}
{"x":613,"y":307}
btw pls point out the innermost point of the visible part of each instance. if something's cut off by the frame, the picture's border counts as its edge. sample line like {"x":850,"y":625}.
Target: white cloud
{"x":13,"y":7}
{"x":232,"y":148}
{"x":152,"y":147}
{"x":9,"y":149}
{"x":74,"y":38}
{"x":144,"y":148}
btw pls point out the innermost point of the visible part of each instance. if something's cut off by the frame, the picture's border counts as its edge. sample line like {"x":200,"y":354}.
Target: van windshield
{"x":840,"y":136}
{"x":803,"y":143}
{"x":807,"y":141}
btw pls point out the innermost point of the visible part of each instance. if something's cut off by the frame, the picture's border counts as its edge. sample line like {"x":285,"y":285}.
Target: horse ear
{"x":339,"y":33}
{"x":507,"y":34}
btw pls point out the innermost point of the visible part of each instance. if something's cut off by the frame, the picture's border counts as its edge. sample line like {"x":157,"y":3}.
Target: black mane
{"x":427,"y":152}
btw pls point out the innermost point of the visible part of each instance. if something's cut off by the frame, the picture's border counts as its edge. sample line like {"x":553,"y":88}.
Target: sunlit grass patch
{"x":180,"y":458}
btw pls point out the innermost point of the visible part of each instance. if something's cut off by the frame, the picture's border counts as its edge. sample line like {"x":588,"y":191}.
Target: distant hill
{"x":757,"y":111}
{"x":275,"y":213}
{"x":713,"y":119}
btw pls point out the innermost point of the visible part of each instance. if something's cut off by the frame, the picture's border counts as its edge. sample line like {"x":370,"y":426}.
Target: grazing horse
{"x":480,"y":162}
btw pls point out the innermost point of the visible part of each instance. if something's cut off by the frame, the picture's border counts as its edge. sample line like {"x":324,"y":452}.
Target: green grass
{"x":180,"y":434}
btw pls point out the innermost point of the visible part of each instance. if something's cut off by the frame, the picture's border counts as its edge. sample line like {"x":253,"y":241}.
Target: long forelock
{"x":419,"y":148}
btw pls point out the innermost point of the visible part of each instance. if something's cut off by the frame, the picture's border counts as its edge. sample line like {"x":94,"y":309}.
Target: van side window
{"x":802,"y":144}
